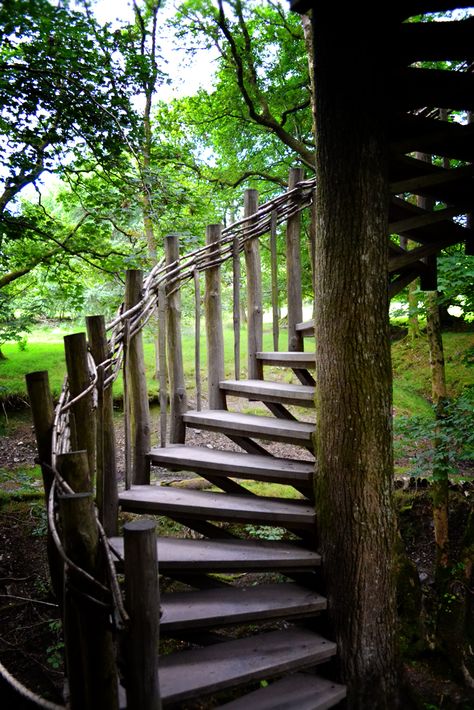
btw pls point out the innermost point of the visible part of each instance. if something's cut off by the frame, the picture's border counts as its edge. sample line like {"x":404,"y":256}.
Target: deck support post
{"x":83,"y":411}
{"x":293,"y":264}
{"x":142,"y":603}
{"x":139,"y":408}
{"x":42,"y":409}
{"x":89,"y":647}
{"x":106,"y":479}
{"x":214,"y":330}
{"x":254,"y":292}
{"x":178,"y":400}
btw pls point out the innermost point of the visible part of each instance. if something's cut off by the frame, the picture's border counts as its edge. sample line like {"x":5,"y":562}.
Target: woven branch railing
{"x":81,"y":448}
{"x":129,"y":323}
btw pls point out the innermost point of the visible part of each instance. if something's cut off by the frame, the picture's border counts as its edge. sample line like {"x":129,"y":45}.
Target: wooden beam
{"x":435,"y":41}
{"x":414,"y":255}
{"x":438,"y":177}
{"x":410,"y":133}
{"x":402,"y":225}
{"x":419,"y":88}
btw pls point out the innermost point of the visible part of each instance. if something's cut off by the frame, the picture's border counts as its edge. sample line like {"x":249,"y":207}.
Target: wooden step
{"x":237,"y":424}
{"x":209,"y":505}
{"x":231,"y":605}
{"x":288,"y":359}
{"x":235,"y":464}
{"x":299,"y":690}
{"x":197,"y":672}
{"x":306,"y":329}
{"x":266,"y":391}
{"x":193,"y":556}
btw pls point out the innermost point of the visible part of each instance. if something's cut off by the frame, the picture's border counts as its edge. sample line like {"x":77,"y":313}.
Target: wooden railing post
{"x":214,"y":330}
{"x":75,"y":347}
{"x":254,"y":293}
{"x":293,"y":266}
{"x":89,"y":647}
{"x":142,"y":602}
{"x":178,"y":403}
{"x":106,"y":479}
{"x":42,"y":409}
{"x":137,"y":388}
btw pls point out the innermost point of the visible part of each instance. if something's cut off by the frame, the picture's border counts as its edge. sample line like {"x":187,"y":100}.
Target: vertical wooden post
{"x":254,"y":293}
{"x":77,"y":366}
{"x":89,"y":647}
{"x":163,"y":365}
{"x":178,"y":404}
{"x":197,"y":339}
{"x":293,"y":266}
{"x":106,"y":480}
{"x":42,"y":409}
{"x":236,"y":304}
{"x":274,"y":270}
{"x":142,"y":601}
{"x":214,"y":331}
{"x":137,"y":388}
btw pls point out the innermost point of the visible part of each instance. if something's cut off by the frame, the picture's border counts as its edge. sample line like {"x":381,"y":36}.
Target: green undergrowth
{"x":22,"y":483}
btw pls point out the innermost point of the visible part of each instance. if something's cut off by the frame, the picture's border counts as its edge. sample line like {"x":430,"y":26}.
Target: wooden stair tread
{"x":227,"y":605}
{"x":299,"y":690}
{"x":288,"y":359}
{"x":235,"y":423}
{"x":283,"y":392}
{"x":211,"y":505}
{"x":236,"y":464}
{"x":191,"y":673}
{"x":176,"y":555}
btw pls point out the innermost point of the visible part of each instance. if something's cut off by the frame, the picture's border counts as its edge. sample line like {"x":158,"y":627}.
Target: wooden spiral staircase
{"x":211,"y":602}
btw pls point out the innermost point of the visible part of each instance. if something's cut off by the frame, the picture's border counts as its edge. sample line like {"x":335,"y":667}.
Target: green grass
{"x":412,"y":388}
{"x":44,"y":351}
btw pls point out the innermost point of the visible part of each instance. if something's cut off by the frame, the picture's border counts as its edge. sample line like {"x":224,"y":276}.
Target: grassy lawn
{"x":44,"y":350}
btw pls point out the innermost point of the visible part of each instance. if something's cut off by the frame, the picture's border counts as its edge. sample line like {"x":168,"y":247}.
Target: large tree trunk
{"x":353,"y":367}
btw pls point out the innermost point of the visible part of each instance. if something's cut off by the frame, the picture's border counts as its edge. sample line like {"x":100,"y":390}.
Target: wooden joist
{"x":199,"y":556}
{"x":231,"y":463}
{"x":419,"y":88}
{"x":436,"y":41}
{"x":299,"y":690}
{"x":266,"y":391}
{"x":209,"y":505}
{"x":185,"y":611}
{"x":432,"y":136}
{"x":203,"y":671}
{"x":429,"y":176}
{"x":267,"y":428}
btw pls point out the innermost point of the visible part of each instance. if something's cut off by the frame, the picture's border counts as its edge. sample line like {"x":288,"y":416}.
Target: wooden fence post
{"x":137,"y":388}
{"x":106,"y":479}
{"x":42,"y":409}
{"x":214,"y":331}
{"x":178,"y":401}
{"x":236,"y":303}
{"x":142,"y":602}
{"x":275,"y":290}
{"x":254,"y":293}
{"x":163,"y":363}
{"x":293,"y":266}
{"x":83,"y":411}
{"x":89,"y":647}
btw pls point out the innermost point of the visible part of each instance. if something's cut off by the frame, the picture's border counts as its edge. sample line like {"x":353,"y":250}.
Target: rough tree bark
{"x":353,"y":483}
